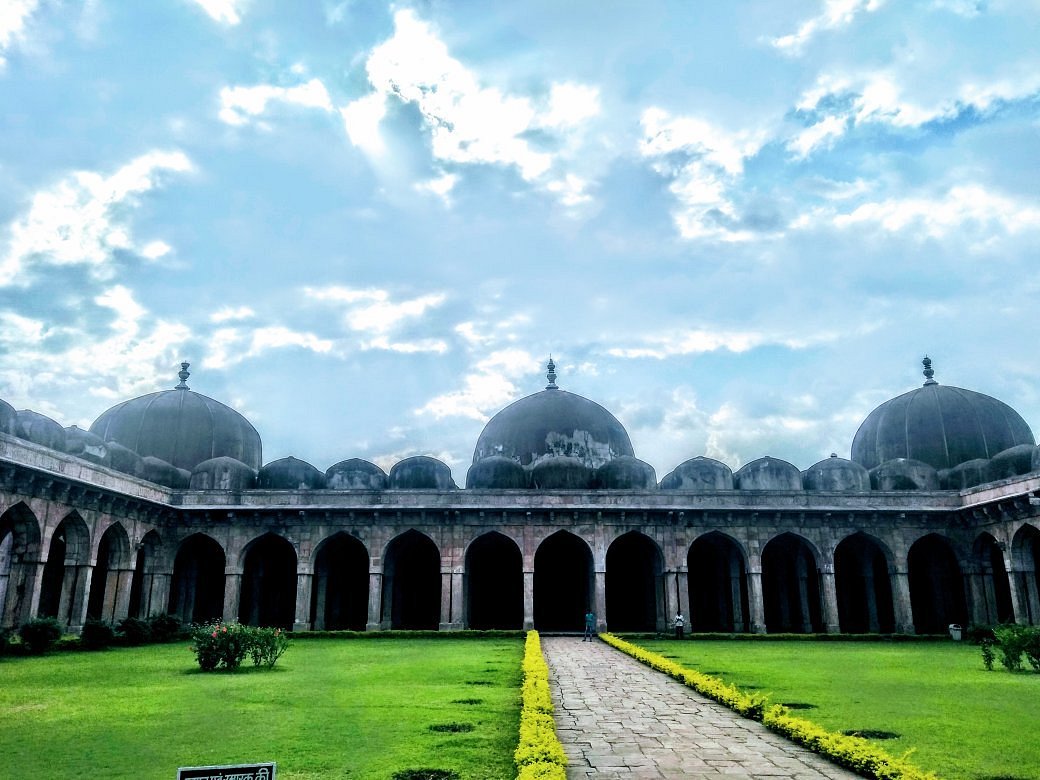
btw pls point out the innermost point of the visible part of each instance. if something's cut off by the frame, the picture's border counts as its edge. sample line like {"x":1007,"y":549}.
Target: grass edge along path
{"x":539,"y":754}
{"x":854,"y":753}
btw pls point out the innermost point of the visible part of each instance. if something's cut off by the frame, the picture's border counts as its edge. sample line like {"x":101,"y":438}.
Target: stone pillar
{"x":829,"y":592}
{"x":1030,"y":597}
{"x":1018,"y":602}
{"x":232,"y":595}
{"x":682,"y":584}
{"x":981,"y":608}
{"x":600,"y":601}
{"x":528,"y":599}
{"x":802,"y":569}
{"x":756,"y":604}
{"x":23,"y":593}
{"x":124,"y":583}
{"x":446,"y":597}
{"x":901,"y":605}
{"x":319,"y":588}
{"x":375,"y":599}
{"x":304,"y":580}
{"x":870,"y":589}
{"x":157,"y":597}
{"x":79,"y":596}
{"x":459,"y":595}
{"x":670,"y":592}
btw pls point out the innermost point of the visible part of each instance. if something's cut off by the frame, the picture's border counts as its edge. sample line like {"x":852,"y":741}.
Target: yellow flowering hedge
{"x":855,"y":753}
{"x":539,"y":755}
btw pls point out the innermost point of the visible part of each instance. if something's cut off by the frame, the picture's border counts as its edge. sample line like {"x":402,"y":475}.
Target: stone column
{"x":901,"y":605}
{"x":446,"y":596}
{"x":79,"y":596}
{"x":528,"y":599}
{"x":304,"y":581}
{"x":670,"y":588}
{"x":319,"y":592}
{"x":124,"y":583}
{"x":682,"y":584}
{"x":802,"y":570}
{"x":600,"y":601}
{"x":1030,"y":597}
{"x":1019,"y":608}
{"x":829,"y":592}
{"x":157,"y":596}
{"x":870,"y":589}
{"x":458,"y":600}
{"x":978,"y":594}
{"x":232,"y":595}
{"x":756,"y":604}
{"x":375,"y":599}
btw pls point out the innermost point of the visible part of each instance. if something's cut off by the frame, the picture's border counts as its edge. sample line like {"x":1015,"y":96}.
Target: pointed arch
{"x":864,"y":590}
{"x":936,"y":585}
{"x":717,"y":581}
{"x":19,"y":556}
{"x":197,"y":591}
{"x":110,"y":581}
{"x":268,"y":582}
{"x":635,"y":584}
{"x":990,"y":586}
{"x":66,"y":572}
{"x":791,"y":585}
{"x":145,"y":588}
{"x":1025,"y":556}
{"x":494,"y":583}
{"x":563,"y":582}
{"x":339,"y":596}
{"x":412,"y":582}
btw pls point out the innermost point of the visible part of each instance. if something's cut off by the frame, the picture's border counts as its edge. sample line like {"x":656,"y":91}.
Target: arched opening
{"x":19,"y":554}
{"x":791,"y":586}
{"x":145,"y":594}
{"x":269,"y":583}
{"x":494,"y":583}
{"x":989,"y":581}
{"x":936,"y":585}
{"x":339,"y":598}
{"x":197,"y":591}
{"x":863,"y":585}
{"x":110,"y":582}
{"x":412,"y":582}
{"x":635,"y":587}
{"x":1025,"y":553}
{"x":717,"y":584}
{"x":563,"y":584}
{"x":66,"y":573}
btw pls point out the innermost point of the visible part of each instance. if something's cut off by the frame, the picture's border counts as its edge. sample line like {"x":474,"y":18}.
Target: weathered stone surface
{"x":8,"y":419}
{"x":561,"y":473}
{"x":1011,"y":462}
{"x":289,"y":474}
{"x":625,"y":473}
{"x":904,"y":474}
{"x":125,"y":460}
{"x":222,"y":473}
{"x":421,"y":472}
{"x":496,"y":472}
{"x":700,"y":474}
{"x":84,"y":444}
{"x":836,"y":473}
{"x":965,"y":475}
{"x":768,"y":474}
{"x":38,"y":428}
{"x":355,"y":474}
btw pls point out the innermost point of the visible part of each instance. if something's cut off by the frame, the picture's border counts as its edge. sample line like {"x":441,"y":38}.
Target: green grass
{"x":960,"y":720}
{"x":359,"y":708}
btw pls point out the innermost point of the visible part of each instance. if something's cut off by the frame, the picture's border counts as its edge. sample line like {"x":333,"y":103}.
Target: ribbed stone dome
{"x":904,"y":474}
{"x":626,"y":473}
{"x":768,"y":473}
{"x":355,"y":474}
{"x":496,"y":473}
{"x":8,"y":419}
{"x":181,"y":427}
{"x":561,"y":473}
{"x":289,"y":474}
{"x":554,"y":423}
{"x":699,"y":473}
{"x":40,"y":429}
{"x":836,"y":473}
{"x":222,"y":473}
{"x":939,"y":425}
{"x":421,"y":472}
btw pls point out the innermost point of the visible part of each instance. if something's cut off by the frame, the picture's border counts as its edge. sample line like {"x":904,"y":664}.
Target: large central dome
{"x":554,"y":423}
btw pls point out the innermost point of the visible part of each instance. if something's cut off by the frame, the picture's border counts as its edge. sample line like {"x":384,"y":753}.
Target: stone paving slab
{"x":620,"y":719}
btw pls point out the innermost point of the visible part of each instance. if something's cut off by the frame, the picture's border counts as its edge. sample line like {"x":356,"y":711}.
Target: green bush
{"x":225,"y":645}
{"x":135,"y":631}
{"x":96,"y":634}
{"x":266,"y":645}
{"x":40,"y":634}
{"x":164,"y":627}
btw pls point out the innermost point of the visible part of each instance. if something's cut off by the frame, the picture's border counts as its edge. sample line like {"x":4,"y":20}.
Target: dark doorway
{"x":936,"y":586}
{"x":62,"y":589}
{"x":197,"y":591}
{"x":494,"y":583}
{"x":634,"y":586}
{"x":269,"y":583}
{"x":143,"y":585}
{"x":863,"y":586}
{"x":717,"y":583}
{"x":992,"y":579}
{"x":339,"y":599}
{"x":563,"y":583}
{"x":112,"y":560}
{"x":19,"y":552}
{"x":791,"y":586}
{"x":412,"y":582}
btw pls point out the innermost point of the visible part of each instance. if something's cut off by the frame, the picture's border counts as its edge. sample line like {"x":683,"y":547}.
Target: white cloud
{"x":231,"y":346}
{"x":441,"y":186}
{"x":372,"y":311}
{"x":223,"y":11}
{"x":240,"y":104}
{"x":153,"y":250}
{"x":488,"y":386}
{"x":13,"y":16}
{"x":230,"y":313}
{"x":436,"y":346}
{"x":700,"y":341}
{"x":468,"y":123}
{"x":824,"y":132}
{"x":82,"y":220}
{"x":711,"y":167}
{"x":834,"y":15}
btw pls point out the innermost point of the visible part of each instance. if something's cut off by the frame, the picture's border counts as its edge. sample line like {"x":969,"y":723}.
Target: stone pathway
{"x":620,"y":719}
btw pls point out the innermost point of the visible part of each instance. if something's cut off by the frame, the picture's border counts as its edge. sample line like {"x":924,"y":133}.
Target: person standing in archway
{"x":679,"y":623}
{"x":590,"y":625}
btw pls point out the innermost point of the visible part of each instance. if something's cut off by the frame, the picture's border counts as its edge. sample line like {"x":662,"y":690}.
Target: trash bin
{"x":956,"y":632}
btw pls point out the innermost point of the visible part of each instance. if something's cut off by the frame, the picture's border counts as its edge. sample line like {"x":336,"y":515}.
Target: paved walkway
{"x":620,"y":719}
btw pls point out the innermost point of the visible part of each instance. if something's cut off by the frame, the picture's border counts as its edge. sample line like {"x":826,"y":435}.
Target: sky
{"x":738,"y":226}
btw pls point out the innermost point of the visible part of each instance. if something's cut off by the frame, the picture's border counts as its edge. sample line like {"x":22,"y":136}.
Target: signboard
{"x":234,"y":772}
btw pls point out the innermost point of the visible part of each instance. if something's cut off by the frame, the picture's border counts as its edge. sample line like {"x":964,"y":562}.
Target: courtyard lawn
{"x":358,"y":708}
{"x":961,"y":721}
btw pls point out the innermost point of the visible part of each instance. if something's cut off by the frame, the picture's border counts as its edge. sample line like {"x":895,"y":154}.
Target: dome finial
{"x":928,"y":372}
{"x":551,"y":376}
{"x":183,"y":374}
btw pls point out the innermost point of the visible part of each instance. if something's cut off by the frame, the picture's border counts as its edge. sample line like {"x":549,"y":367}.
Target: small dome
{"x":40,"y":429}
{"x":355,"y":474}
{"x":939,"y":425}
{"x":699,"y":473}
{"x":162,"y":473}
{"x":965,"y":475}
{"x":904,"y":474}
{"x":8,"y":419}
{"x":626,"y":473}
{"x":1036,"y":459}
{"x":421,"y":472}
{"x":836,"y":473}
{"x":181,"y":427}
{"x":1012,"y":462}
{"x":125,"y":460}
{"x":553,"y":423}
{"x":289,"y":474}
{"x":222,"y":473}
{"x":83,"y":444}
{"x":768,"y":474}
{"x":496,"y":473}
{"x":561,"y":473}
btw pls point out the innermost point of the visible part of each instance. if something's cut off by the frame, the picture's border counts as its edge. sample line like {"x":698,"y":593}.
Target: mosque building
{"x":165,"y":505}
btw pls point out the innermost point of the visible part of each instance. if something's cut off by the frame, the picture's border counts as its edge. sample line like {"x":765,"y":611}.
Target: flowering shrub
{"x":225,"y":645}
{"x":539,"y":755}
